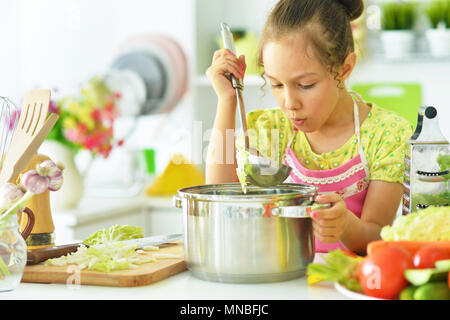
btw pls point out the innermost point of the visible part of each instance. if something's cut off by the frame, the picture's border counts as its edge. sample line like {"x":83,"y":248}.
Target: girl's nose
{"x":291,"y":102}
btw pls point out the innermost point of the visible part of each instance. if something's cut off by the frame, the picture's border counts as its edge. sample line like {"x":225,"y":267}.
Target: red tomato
{"x":381,"y":274}
{"x":428,"y":255}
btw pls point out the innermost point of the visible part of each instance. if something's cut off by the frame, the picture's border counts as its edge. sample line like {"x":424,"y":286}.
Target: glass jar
{"x":13,"y":250}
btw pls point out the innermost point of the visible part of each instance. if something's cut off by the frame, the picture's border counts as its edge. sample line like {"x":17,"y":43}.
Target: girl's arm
{"x":380,"y":207}
{"x":221,"y":160}
{"x":340,"y":224}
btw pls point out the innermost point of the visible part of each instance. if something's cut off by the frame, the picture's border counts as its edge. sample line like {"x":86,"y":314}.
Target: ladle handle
{"x":242,"y":117}
{"x":228,"y":43}
{"x":238,"y":84}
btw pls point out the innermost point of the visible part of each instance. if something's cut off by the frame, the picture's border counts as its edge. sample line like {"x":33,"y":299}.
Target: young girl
{"x":351,"y":150}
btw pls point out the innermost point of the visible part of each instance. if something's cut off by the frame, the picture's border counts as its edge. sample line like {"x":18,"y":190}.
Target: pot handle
{"x":177,"y":202}
{"x":298,"y":211}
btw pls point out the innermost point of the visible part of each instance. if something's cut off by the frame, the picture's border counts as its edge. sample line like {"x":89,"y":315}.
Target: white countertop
{"x":182,"y":286}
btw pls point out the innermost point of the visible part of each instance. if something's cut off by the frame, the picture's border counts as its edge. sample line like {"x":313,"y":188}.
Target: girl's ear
{"x":348,"y":66}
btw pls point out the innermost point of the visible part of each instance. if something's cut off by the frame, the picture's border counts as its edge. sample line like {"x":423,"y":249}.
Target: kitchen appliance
{"x":144,"y":274}
{"x":8,"y":121}
{"x":425,"y":181}
{"x":237,"y":237}
{"x":259,"y":170}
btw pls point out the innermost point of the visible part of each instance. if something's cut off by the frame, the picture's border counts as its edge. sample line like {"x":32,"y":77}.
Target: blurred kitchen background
{"x":155,"y":54}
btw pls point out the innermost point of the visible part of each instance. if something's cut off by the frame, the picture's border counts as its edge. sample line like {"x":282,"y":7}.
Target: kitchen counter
{"x":183,"y":286}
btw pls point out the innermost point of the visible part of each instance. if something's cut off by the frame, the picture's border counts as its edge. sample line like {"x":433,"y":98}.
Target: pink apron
{"x":350,"y":180}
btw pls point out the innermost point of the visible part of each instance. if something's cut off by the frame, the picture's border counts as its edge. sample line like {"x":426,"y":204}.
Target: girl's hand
{"x":329,"y":224}
{"x":224,"y":63}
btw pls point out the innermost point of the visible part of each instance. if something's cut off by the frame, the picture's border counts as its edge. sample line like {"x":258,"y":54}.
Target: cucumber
{"x":407,"y":293}
{"x":419,"y":277}
{"x":433,"y":291}
{"x":443,"y":265}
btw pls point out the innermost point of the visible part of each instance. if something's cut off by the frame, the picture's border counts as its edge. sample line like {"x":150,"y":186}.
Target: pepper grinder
{"x":42,"y":235}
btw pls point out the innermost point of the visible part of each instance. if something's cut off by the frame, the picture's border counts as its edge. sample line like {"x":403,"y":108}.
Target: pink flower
{"x":72,"y":135}
{"x":361,"y":185}
{"x":96,"y":115}
{"x":341,"y":192}
{"x":52,"y":107}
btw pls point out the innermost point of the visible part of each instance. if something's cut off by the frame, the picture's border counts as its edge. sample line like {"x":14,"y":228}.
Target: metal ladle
{"x":259,"y":170}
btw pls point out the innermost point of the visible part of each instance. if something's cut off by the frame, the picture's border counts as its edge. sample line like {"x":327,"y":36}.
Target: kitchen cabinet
{"x":155,"y":215}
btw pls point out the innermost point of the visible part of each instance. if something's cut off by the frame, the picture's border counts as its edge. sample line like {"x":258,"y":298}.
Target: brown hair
{"x":326,"y":24}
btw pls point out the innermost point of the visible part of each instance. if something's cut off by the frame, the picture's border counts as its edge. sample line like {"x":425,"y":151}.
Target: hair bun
{"x":354,"y":8}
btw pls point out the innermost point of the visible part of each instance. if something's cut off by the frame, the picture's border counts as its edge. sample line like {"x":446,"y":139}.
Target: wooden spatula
{"x":30,"y":132}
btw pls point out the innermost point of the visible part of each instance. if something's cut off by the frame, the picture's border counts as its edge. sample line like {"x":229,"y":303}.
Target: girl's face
{"x":304,"y":89}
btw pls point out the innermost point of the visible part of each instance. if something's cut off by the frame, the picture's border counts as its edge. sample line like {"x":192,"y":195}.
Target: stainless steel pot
{"x":234,"y":237}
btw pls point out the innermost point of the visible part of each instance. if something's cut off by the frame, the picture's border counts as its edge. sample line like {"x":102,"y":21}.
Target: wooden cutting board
{"x":146,"y":273}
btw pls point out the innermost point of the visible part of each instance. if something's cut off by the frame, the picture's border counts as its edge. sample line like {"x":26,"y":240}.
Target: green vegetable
{"x":115,"y":233}
{"x":339,"y":268}
{"x":407,"y":293}
{"x":433,"y":291}
{"x":444,"y":160}
{"x":443,"y":265}
{"x":437,"y":199}
{"x":430,"y":224}
{"x":242,"y":162}
{"x":419,"y":277}
{"x":107,"y":257}
{"x":3,"y":269}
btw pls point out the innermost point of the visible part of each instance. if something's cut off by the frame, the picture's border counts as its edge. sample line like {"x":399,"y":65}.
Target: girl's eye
{"x":309,"y":86}
{"x":276,"y":86}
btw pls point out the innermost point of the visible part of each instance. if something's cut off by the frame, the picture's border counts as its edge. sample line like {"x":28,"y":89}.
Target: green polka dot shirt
{"x":384,"y":135}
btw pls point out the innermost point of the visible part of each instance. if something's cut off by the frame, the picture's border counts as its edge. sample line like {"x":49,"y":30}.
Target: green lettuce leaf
{"x":115,"y":233}
{"x":338,"y":267}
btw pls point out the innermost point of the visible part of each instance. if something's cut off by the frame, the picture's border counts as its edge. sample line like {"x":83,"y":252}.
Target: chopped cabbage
{"x":437,"y":199}
{"x":115,"y":233}
{"x":444,"y":164}
{"x":107,"y":257}
{"x":107,"y":253}
{"x":430,"y":224}
{"x":242,"y":160}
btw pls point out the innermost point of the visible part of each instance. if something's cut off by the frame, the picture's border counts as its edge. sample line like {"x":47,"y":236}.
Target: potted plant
{"x":438,"y":36}
{"x":398,"y":19}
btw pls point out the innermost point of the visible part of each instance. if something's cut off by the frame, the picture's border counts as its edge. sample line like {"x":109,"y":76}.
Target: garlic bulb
{"x":54,"y":172}
{"x":9,"y":194}
{"x":34,"y":182}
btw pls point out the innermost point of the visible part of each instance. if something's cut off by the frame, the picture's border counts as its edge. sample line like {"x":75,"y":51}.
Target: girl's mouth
{"x":298,"y":122}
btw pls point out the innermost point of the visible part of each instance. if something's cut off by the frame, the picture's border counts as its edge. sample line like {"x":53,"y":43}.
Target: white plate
{"x":352,"y":294}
